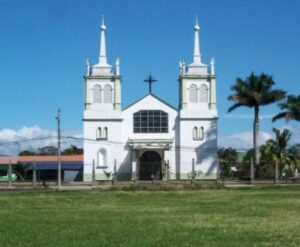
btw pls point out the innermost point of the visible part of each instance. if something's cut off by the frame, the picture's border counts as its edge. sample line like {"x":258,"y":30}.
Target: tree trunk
{"x":251,"y":171}
{"x":276,"y":171}
{"x":255,"y":136}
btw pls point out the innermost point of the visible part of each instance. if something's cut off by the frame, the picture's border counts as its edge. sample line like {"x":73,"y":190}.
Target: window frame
{"x":150,"y":121}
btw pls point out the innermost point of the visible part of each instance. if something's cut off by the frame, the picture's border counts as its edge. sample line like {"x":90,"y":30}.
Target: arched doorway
{"x":150,"y":166}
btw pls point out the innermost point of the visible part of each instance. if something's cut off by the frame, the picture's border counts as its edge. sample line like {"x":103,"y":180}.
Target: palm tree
{"x":253,"y":92}
{"x":278,"y":150}
{"x":292,"y":107}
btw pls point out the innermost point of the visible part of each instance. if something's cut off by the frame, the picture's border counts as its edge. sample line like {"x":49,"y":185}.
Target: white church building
{"x":150,"y":139}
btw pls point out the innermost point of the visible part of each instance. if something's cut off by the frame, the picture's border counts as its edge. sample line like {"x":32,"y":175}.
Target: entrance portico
{"x":148,"y":158}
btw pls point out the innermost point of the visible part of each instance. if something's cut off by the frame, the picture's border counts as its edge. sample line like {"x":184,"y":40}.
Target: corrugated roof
{"x":46,"y":158}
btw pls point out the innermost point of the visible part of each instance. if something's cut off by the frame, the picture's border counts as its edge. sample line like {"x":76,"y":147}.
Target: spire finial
{"x":88,"y":67}
{"x":196,"y":25}
{"x":102,"y":56}
{"x":196,"y":56}
{"x":212,"y":66}
{"x":103,"y":27}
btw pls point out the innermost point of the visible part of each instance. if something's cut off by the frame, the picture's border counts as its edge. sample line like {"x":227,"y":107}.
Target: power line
{"x":27,"y":140}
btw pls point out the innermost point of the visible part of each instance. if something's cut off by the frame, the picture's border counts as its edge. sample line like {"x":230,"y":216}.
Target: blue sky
{"x":44,"y":45}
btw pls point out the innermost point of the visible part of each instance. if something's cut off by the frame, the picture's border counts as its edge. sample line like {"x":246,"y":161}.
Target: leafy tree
{"x":291,"y":107}
{"x":72,"y":150}
{"x":253,"y":92}
{"x":48,"y":150}
{"x":278,"y":150}
{"x":228,"y":158}
{"x":27,"y":153}
{"x":264,"y":170}
{"x":20,"y":170}
{"x":295,"y":150}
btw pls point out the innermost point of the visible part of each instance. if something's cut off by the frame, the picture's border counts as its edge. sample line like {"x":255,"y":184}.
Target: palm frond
{"x":233,"y":107}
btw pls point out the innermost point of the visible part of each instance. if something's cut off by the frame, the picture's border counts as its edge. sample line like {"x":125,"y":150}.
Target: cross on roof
{"x":150,"y":80}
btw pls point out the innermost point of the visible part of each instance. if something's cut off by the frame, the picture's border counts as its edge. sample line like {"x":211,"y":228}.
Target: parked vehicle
{"x":4,"y":176}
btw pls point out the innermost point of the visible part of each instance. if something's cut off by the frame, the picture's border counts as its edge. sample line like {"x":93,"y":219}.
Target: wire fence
{"x":265,"y":170}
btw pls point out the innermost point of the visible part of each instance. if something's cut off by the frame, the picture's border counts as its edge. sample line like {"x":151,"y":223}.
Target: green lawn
{"x":225,"y":217}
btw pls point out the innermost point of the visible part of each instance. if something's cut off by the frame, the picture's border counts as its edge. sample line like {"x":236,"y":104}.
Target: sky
{"x":44,"y":46}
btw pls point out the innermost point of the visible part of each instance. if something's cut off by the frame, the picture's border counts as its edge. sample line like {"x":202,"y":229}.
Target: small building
{"x":46,"y":166}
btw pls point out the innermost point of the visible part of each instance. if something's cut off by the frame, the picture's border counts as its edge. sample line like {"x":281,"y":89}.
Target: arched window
{"x":195,"y":132}
{"x":107,"y":94}
{"x":201,"y":133}
{"x":203,"y":94}
{"x":193,"y":94}
{"x":97,"y":94}
{"x":198,"y":133}
{"x":99,"y":133}
{"x":102,"y":157}
{"x":105,"y":133}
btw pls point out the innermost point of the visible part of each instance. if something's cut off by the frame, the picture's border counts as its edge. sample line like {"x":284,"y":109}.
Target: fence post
{"x":276,"y":172}
{"x":168,"y":170}
{"x":34,"y":175}
{"x":193,"y":171}
{"x":9,"y":174}
{"x":218,"y":180}
{"x":252,"y":171}
{"x":115,"y":172}
{"x":93,"y":174}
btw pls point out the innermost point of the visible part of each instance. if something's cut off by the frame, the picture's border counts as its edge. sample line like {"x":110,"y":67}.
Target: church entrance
{"x":150,"y":166}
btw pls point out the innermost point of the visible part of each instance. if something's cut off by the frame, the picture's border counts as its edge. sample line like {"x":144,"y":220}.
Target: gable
{"x":150,"y":101}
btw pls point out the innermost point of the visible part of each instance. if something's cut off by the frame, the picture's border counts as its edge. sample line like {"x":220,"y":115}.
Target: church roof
{"x":154,"y":96}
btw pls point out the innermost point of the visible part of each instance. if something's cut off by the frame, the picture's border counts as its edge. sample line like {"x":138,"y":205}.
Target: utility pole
{"x":9,"y":174}
{"x":58,"y":150}
{"x":34,"y":176}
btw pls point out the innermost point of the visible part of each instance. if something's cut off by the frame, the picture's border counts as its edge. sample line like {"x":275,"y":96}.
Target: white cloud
{"x":29,"y":139}
{"x":246,"y":116}
{"x":295,"y":138}
{"x":243,"y":140}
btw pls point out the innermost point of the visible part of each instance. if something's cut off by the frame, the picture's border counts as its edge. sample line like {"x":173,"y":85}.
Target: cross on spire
{"x":150,"y":80}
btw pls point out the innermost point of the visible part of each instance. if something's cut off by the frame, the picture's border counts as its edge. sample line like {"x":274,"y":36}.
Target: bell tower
{"x":197,"y":115}
{"x":103,"y":81}
{"x":197,"y":87}
{"x":102,"y":117}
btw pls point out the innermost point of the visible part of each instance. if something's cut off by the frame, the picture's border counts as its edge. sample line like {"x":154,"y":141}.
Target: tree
{"x":291,"y":107}
{"x":21,"y":170}
{"x":279,"y":152}
{"x":253,"y":92}
{"x":228,"y":158}
{"x":48,"y":150}
{"x":72,"y":150}
{"x":27,"y":153}
{"x":295,"y":150}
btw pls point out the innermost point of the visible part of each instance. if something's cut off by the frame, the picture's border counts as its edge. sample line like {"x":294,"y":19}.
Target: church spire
{"x":196,"y":56}
{"x":102,"y":55}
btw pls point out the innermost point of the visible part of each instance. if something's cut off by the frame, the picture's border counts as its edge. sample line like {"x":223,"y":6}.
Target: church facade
{"x":150,"y":139}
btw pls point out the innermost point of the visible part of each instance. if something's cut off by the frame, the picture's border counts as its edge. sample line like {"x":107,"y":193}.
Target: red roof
{"x":24,"y":159}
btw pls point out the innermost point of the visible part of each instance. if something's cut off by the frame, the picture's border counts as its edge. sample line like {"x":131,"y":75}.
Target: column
{"x":183,"y":93}
{"x":134,"y":165}
{"x":117,"y":96}
{"x":213,"y":99}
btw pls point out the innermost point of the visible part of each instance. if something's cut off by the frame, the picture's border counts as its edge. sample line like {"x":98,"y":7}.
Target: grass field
{"x":224,"y":217}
